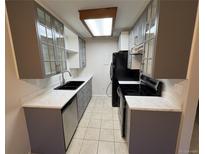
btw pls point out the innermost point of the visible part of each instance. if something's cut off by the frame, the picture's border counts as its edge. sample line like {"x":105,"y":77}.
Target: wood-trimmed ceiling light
{"x":99,"y":22}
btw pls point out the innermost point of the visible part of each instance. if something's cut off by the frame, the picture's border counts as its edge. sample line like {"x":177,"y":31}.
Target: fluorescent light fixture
{"x":100,"y":27}
{"x":99,"y":22}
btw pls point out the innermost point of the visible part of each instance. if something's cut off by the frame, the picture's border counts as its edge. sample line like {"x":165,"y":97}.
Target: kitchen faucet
{"x":63,"y":79}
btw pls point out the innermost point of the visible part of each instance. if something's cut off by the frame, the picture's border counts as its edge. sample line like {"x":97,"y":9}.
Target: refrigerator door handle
{"x":111,"y":71}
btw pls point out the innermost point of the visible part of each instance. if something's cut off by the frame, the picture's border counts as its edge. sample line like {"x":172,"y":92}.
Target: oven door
{"x":121,"y":111}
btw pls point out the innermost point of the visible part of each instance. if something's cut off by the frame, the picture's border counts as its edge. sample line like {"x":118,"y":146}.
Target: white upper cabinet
{"x":75,"y":49}
{"x":71,"y":40}
{"x":123,"y":41}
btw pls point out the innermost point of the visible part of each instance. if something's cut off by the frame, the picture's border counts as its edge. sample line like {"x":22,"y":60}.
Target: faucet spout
{"x":63,"y":78}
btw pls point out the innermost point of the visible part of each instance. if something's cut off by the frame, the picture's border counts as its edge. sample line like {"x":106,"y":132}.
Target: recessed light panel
{"x":100,"y":27}
{"x":99,"y":22}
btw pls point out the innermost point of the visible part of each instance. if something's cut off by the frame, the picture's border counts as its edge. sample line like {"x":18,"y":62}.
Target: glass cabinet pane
{"x":48,"y":20}
{"x":49,"y":35}
{"x":55,"y":25}
{"x":53,"y":67}
{"x":57,"y":54}
{"x":58,"y":66}
{"x":144,"y":65}
{"x":42,"y":33}
{"x":47,"y":68}
{"x":59,"y":38}
{"x":41,"y":16}
{"x":149,"y":67}
{"x":146,"y":51}
{"x":64,"y":65}
{"x":153,"y":19}
{"x":45,"y":52}
{"x":51,"y":52}
{"x":61,"y":28}
{"x":151,"y":48}
{"x":148,"y":20}
{"x":61,"y":41}
{"x":62,"y":54}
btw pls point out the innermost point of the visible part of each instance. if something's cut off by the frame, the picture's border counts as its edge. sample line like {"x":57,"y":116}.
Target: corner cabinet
{"x":168,"y":38}
{"x":38,"y":40}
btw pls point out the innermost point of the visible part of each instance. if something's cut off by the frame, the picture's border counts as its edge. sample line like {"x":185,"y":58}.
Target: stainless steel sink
{"x":71,"y":85}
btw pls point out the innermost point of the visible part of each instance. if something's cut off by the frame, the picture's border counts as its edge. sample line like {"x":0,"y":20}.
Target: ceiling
{"x":127,"y":13}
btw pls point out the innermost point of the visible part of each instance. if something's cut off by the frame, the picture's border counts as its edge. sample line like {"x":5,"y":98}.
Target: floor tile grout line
{"x":89,"y":119}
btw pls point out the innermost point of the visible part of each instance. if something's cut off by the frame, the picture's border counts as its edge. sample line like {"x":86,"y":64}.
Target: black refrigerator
{"x":120,"y":72}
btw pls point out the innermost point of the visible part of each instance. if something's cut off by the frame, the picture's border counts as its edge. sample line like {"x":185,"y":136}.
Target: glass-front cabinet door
{"x":50,"y":32}
{"x":153,"y":19}
{"x":150,"y":38}
{"x":148,"y":21}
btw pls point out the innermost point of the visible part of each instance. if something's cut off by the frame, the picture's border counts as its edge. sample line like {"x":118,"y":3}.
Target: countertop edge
{"x":174,"y":108}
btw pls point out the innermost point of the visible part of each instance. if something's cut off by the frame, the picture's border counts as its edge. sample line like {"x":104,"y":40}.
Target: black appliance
{"x":120,"y":72}
{"x":147,"y":87}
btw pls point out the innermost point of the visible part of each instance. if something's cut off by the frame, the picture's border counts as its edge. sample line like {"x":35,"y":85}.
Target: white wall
{"x":98,"y":58}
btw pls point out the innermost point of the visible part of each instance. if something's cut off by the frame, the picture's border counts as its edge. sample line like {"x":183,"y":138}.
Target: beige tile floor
{"x":99,"y":130}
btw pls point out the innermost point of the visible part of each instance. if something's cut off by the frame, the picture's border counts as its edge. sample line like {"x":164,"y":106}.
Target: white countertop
{"x":129,"y":82}
{"x":149,"y":103}
{"x":55,"y":98}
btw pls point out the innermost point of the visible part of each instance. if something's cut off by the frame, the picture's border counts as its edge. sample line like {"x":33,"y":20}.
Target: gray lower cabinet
{"x":83,"y":98}
{"x":50,"y":130}
{"x":152,"y":132}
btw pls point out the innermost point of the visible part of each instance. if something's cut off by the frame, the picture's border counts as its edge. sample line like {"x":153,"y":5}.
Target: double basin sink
{"x":70,"y":85}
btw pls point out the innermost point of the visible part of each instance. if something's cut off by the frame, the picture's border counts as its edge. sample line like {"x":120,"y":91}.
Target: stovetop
{"x":137,"y":90}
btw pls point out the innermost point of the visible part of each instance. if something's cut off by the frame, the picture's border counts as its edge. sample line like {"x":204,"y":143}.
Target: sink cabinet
{"x":37,"y":38}
{"x":51,"y":129}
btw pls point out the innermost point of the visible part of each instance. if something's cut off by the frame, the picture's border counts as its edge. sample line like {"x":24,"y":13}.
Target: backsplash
{"x":175,"y":90}
{"x":43,"y":85}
